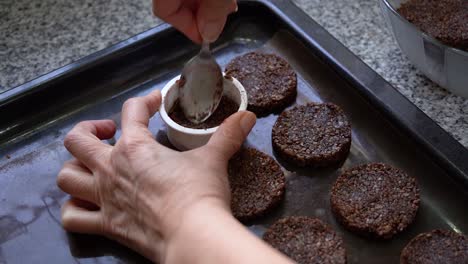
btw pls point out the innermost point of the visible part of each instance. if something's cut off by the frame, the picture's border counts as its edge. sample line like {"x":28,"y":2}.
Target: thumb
{"x":211,"y":17}
{"x":231,"y":134}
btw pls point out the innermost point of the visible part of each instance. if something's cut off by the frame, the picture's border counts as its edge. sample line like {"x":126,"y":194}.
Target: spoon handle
{"x":205,"y":49}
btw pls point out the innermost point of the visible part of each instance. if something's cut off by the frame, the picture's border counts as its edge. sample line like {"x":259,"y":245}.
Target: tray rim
{"x":442,"y":148}
{"x":447,"y":152}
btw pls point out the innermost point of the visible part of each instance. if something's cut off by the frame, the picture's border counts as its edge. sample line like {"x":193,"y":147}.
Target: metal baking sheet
{"x":386,"y":128}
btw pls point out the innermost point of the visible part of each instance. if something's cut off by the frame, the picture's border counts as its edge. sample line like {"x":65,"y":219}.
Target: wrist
{"x":195,"y":226}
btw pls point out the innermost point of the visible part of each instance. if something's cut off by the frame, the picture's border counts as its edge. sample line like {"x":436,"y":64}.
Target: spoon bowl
{"x":200,"y":86}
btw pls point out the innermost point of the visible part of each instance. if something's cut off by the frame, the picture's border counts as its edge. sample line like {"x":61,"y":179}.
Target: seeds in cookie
{"x":375,"y":200}
{"x":257,"y":183}
{"x":270,"y":81}
{"x":312,"y":135}
{"x":306,"y":240}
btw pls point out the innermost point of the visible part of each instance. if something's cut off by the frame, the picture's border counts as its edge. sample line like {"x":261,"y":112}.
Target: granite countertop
{"x":38,"y":36}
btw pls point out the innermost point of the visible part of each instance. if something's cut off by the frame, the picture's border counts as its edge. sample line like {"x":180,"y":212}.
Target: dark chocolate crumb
{"x":225,"y":108}
{"x":306,"y":240}
{"x":270,"y":81}
{"x":375,"y":200}
{"x":436,"y":246}
{"x":257,"y":183}
{"x":312,"y":135}
{"x":445,"y":20}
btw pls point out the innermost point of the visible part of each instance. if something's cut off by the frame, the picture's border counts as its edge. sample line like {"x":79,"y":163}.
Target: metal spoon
{"x":201,"y":86}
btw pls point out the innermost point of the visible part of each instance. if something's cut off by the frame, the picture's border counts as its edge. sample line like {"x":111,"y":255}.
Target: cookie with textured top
{"x":306,"y":240}
{"x":436,"y":246}
{"x":375,"y":200}
{"x":257,"y":183}
{"x":269,"y":80}
{"x":312,"y":135}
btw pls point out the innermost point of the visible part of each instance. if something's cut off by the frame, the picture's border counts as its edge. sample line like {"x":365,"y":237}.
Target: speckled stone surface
{"x":37,"y":36}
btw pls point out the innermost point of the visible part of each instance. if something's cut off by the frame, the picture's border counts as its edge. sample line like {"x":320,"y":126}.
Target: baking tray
{"x":35,"y":117}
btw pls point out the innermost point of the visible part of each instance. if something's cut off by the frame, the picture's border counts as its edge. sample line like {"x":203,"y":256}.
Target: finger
{"x":77,"y":182}
{"x":211,"y":17}
{"x":78,"y":165}
{"x":229,"y":137}
{"x":136,"y":112}
{"x":79,"y":219}
{"x":184,"y":21}
{"x":234,"y":6}
{"x":84,"y":141}
{"x":179,"y":14}
{"x":85,"y":204}
{"x":164,"y":8}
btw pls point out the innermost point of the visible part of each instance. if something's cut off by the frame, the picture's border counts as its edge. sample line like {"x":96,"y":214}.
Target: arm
{"x":212,"y":235}
{"x":170,"y":206}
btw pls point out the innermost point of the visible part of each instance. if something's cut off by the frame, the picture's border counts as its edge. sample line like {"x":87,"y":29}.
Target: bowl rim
{"x":425,"y":35}
{"x":197,"y":131}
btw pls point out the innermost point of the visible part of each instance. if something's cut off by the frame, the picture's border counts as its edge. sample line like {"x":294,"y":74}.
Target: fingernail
{"x":247,"y":122}
{"x":234,"y":2}
{"x":210,"y":31}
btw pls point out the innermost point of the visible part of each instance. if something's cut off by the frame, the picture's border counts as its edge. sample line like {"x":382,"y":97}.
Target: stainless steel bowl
{"x":442,"y":64}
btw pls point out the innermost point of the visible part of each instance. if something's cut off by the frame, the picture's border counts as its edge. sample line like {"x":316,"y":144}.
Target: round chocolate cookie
{"x":270,"y":81}
{"x":306,"y":240}
{"x":257,"y":183}
{"x":437,"y":246}
{"x":312,"y":135}
{"x":375,"y":199}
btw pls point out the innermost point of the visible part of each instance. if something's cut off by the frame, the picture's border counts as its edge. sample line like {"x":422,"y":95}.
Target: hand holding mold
{"x":139,"y":192}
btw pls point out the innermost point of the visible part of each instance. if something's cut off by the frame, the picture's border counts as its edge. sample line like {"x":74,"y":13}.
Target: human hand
{"x":138,"y":191}
{"x":197,"y":19}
